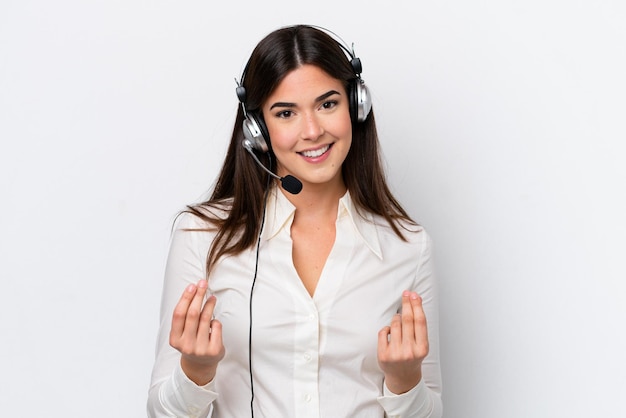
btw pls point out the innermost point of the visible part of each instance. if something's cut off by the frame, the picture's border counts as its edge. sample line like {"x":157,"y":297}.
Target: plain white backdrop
{"x":503,"y":128}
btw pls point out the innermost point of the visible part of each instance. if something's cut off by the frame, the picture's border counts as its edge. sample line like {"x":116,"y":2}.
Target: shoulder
{"x":410,"y":230}
{"x":414,"y":232}
{"x":205,"y":216}
{"x":415,"y":238}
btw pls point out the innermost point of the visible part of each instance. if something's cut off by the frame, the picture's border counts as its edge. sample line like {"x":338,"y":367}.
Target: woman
{"x":286,"y":303}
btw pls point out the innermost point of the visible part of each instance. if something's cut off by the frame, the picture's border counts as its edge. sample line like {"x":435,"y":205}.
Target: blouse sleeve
{"x":424,"y":400}
{"x":171,"y":393}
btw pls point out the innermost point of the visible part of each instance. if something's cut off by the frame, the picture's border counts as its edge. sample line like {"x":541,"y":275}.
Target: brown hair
{"x":241,"y":185}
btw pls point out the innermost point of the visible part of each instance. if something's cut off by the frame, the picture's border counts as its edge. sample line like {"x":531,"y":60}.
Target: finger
{"x":395,"y":332}
{"x":408,"y":325}
{"x":194,"y":310}
{"x":419,"y":318}
{"x":383,"y":337}
{"x":216,"y":333}
{"x":180,"y":311}
{"x":204,"y":327}
{"x":383,"y":344}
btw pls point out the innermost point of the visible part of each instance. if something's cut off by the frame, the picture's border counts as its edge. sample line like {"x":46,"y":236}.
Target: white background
{"x":503,"y":128}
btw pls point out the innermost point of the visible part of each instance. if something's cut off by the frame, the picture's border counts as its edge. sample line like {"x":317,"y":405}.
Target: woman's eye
{"x":329,"y":104}
{"x":284,"y":114}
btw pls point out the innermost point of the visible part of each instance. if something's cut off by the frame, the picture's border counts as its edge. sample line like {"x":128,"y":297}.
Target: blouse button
{"x":307,"y":398}
{"x":307,"y":357}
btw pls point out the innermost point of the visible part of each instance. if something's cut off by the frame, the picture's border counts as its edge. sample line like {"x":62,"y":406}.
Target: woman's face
{"x":308,"y":120}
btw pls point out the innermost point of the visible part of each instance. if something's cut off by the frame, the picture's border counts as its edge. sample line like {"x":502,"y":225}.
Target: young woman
{"x":281,"y":302}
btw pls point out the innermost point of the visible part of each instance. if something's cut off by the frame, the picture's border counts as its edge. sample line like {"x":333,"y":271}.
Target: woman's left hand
{"x":403,"y":345}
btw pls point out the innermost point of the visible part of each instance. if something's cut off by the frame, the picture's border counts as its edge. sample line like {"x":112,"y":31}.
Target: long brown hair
{"x":241,"y":185}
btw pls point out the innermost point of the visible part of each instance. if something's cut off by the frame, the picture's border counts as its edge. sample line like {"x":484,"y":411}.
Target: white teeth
{"x":315,"y":153}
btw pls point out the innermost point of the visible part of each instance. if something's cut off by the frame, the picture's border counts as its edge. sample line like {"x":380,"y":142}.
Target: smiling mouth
{"x":315,"y":153}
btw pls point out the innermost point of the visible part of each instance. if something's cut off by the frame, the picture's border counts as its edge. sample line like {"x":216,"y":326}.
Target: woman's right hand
{"x":196,"y":335}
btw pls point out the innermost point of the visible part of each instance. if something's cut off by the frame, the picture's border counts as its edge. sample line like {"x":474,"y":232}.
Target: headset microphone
{"x":289,"y":182}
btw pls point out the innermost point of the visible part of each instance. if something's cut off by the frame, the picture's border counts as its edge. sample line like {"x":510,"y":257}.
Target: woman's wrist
{"x":198,"y":373}
{"x":403,"y":385}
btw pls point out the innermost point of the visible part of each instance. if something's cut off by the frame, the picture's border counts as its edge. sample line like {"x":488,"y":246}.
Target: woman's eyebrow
{"x":326,"y":95}
{"x":282,"y":104}
{"x":317,"y":99}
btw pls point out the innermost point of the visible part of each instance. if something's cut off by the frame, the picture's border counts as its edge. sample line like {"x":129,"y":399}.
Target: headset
{"x":256,"y":135}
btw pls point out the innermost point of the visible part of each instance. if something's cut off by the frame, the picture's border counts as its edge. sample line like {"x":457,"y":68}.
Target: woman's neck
{"x":317,"y":200}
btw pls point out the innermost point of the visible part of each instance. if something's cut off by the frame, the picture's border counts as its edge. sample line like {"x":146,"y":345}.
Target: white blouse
{"x":311,"y":356}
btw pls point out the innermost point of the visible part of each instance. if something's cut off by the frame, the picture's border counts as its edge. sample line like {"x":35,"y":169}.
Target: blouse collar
{"x":280,"y":212}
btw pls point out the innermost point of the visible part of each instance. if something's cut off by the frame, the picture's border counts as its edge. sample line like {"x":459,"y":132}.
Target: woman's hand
{"x":196,"y":335}
{"x":403,"y":345}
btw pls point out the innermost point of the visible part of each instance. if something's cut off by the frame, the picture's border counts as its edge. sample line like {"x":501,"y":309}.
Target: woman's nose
{"x":311,"y":128}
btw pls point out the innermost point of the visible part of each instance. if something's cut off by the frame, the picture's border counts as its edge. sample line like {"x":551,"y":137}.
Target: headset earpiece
{"x":256,"y":136}
{"x":255,"y":132}
{"x":360,"y":101}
